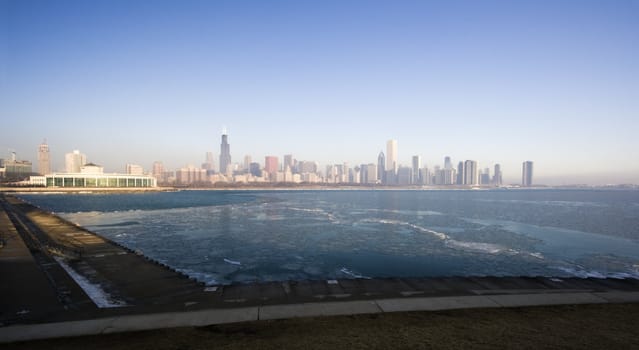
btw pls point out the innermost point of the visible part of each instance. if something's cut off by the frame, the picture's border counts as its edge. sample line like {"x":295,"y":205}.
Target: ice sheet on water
{"x":583,"y":273}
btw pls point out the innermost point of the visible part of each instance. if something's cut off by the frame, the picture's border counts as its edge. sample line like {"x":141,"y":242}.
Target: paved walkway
{"x":270,"y":312}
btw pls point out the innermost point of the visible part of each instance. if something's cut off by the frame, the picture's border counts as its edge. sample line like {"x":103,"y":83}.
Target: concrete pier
{"x":39,"y":299}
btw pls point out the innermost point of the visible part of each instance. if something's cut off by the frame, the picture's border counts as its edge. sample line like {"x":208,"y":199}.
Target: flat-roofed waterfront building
{"x":99,"y":180}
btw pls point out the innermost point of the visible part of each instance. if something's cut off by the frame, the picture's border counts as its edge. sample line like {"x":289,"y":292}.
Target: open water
{"x":244,"y":236}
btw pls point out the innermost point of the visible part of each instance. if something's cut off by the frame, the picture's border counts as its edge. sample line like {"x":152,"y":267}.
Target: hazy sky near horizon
{"x":556,"y":82}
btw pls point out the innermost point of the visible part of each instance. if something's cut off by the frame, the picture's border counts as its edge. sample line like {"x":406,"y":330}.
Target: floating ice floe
{"x":475,"y":246}
{"x":352,"y":274}
{"x":536,"y":255}
{"x":232,"y":262}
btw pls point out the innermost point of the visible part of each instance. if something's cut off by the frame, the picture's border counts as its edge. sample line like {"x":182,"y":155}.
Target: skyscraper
{"x":381,"y":172}
{"x":391,"y":156}
{"x":158,"y":170}
{"x":271,"y":167}
{"x":527,"y":174}
{"x":247,"y":163}
{"x":44,"y":160}
{"x":288,"y":161}
{"x":460,"y":173}
{"x":208,"y":163}
{"x":417,"y":164}
{"x":74,"y":161}
{"x":470,"y":173}
{"x":447,"y":163}
{"x":225,"y":153}
{"x":497,"y":180}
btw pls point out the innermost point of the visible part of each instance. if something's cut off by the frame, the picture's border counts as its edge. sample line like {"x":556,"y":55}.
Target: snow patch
{"x":99,"y":296}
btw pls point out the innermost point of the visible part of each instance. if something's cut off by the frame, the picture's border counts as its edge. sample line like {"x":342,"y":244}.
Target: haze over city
{"x":496,"y":82}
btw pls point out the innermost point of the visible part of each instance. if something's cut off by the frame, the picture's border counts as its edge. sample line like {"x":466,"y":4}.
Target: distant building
{"x":134,"y":169}
{"x":447,"y":176}
{"x":527,"y":174}
{"x":91,"y":168}
{"x":225,"y":153}
{"x":497,"y":177}
{"x":307,"y":167}
{"x":158,"y":170}
{"x":425,"y":176}
{"x":381,"y":170}
{"x":368,"y":173}
{"x":391,"y":156}
{"x":247,"y":163}
{"x":271,"y":166}
{"x":255,"y":170}
{"x":44,"y":159}
{"x":98,"y":180}
{"x":417,"y":164}
{"x":14,"y":169}
{"x":484,"y":177}
{"x":208,"y":164}
{"x":447,"y":163}
{"x":288,"y":161}
{"x":190,"y":175}
{"x":404,"y":176}
{"x":460,"y":173}
{"x":73,"y":161}
{"x":471,"y":173}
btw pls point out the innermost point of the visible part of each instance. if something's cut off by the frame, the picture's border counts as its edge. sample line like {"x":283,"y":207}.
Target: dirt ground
{"x":552,"y":327}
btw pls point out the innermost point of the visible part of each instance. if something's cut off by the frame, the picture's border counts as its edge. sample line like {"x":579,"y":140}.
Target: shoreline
{"x":274,"y":188}
{"x":158,"y":297}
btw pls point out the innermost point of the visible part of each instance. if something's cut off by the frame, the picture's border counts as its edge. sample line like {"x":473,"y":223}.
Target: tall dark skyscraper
{"x":497,"y":180}
{"x":225,"y":153}
{"x":460,"y":173}
{"x":527,"y":174}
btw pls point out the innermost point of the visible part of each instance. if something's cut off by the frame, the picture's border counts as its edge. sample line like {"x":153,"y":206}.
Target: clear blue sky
{"x":556,"y":82}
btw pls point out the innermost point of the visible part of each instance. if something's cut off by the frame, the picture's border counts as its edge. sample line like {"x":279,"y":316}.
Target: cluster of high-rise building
{"x":78,"y":173}
{"x":387,"y":171}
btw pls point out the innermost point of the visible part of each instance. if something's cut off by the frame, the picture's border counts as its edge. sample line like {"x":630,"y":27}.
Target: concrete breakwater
{"x":52,"y":271}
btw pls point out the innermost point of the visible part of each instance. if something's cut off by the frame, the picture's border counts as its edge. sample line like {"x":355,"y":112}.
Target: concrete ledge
{"x":221,"y":316}
{"x":127,"y":324}
{"x":546,"y":299}
{"x":182,"y":319}
{"x":619,"y":297}
{"x":435,"y":303}
{"x":272,"y":312}
{"x":54,"y":330}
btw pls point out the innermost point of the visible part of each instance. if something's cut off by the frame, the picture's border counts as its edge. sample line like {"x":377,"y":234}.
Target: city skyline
{"x":494,"y":82}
